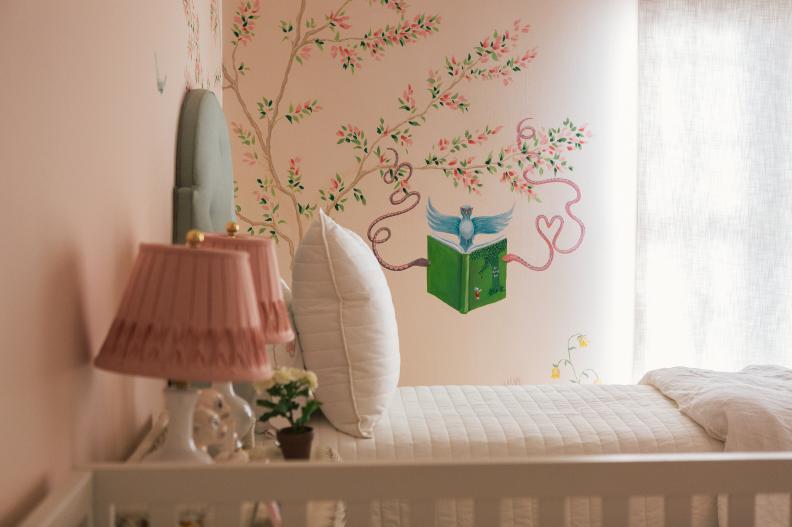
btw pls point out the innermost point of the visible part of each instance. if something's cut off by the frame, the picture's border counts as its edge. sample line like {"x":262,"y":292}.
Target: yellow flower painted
{"x":575,"y":343}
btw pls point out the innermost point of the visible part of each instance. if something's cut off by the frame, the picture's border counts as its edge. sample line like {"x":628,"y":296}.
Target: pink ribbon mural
{"x":462,"y":270}
{"x":446,"y":283}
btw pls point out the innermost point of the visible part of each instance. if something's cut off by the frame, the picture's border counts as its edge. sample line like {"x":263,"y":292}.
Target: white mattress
{"x":474,"y":422}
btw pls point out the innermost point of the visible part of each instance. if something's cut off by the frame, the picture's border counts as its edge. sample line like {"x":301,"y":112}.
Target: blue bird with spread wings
{"x":466,"y":227}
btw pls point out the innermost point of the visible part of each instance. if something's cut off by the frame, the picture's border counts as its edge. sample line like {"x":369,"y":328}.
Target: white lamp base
{"x":240,"y":410}
{"x":179,"y":446}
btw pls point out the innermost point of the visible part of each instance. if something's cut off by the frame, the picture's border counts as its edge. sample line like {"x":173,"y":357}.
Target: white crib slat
{"x":615,"y":511}
{"x":358,"y":513}
{"x":678,"y":511}
{"x":102,"y":514}
{"x":741,"y":475}
{"x":486,"y":512}
{"x":162,"y":515}
{"x":552,"y":512}
{"x":422,"y":513}
{"x":294,"y":514}
{"x":228,"y":514}
{"x":741,"y":510}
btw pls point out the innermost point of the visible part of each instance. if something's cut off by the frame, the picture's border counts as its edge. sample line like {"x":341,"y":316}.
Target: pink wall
{"x":584,"y":69}
{"x":87,"y":154}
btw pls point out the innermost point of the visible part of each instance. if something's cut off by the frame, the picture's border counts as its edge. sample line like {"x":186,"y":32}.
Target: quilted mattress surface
{"x":475,"y":422}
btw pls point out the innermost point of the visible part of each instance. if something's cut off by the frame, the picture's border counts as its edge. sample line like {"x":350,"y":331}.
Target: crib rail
{"x":551,"y":480}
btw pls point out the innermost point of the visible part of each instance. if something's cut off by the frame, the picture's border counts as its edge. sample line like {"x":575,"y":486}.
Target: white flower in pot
{"x":291,"y":396}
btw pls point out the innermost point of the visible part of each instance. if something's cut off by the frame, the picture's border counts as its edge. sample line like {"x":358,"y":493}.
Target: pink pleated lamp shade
{"x":266,"y":277}
{"x":188,"y":314}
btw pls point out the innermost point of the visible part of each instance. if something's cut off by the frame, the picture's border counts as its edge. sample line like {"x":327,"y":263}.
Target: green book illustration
{"x":466,"y":280}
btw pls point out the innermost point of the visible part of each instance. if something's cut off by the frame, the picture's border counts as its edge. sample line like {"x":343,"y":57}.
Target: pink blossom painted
{"x":471,"y":159}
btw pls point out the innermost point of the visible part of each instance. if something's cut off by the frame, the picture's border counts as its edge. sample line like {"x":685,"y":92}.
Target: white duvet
{"x":750,"y":411}
{"x":474,"y":422}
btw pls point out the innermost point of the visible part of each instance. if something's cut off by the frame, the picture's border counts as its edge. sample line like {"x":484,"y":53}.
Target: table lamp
{"x":188,"y":313}
{"x":272,"y":308}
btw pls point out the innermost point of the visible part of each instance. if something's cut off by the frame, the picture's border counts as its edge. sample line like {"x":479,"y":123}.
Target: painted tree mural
{"x":468,"y":160}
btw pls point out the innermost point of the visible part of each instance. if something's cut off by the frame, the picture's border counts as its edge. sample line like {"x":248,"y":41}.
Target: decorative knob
{"x":194,"y":238}
{"x":232,"y":228}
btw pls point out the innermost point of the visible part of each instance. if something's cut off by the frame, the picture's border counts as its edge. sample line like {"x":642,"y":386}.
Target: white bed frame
{"x":91,"y":496}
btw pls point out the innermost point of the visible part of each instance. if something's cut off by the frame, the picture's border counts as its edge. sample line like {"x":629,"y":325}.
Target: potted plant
{"x":291,"y":396}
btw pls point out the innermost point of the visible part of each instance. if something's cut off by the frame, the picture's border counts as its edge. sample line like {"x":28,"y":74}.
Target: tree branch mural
{"x":195,"y":75}
{"x":286,"y":204}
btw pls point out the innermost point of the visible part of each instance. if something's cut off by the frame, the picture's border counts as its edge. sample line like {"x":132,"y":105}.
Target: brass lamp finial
{"x":232,"y":228}
{"x":194,"y":238}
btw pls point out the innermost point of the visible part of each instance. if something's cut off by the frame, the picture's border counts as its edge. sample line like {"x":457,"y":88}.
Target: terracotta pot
{"x":296,"y":444}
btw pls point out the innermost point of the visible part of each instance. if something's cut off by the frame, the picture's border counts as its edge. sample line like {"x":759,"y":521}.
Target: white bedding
{"x":473,"y":422}
{"x":750,"y":410}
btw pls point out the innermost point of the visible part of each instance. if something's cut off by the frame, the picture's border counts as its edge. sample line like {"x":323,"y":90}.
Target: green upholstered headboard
{"x":203,"y":196}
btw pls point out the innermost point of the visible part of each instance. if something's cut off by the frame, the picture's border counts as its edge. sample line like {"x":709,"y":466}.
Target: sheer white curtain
{"x":714,"y":258}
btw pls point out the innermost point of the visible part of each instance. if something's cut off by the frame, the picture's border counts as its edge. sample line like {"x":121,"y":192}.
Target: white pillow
{"x":346,"y":325}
